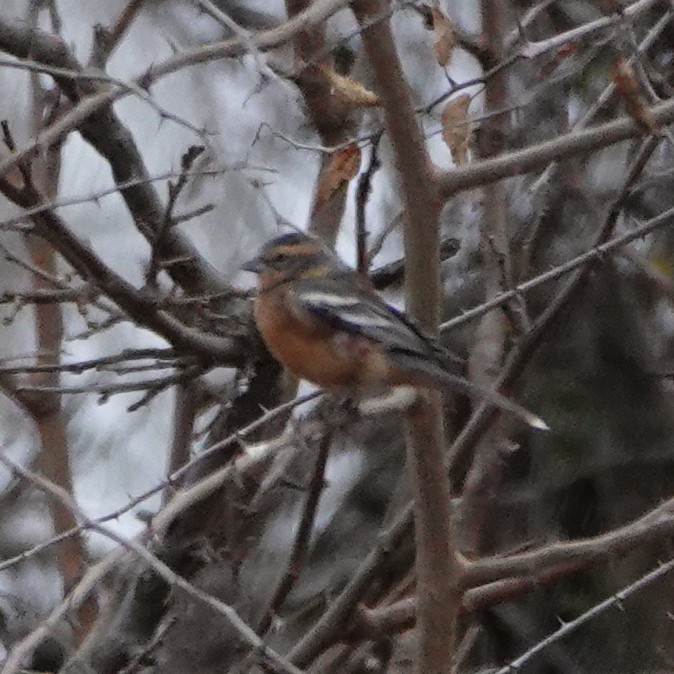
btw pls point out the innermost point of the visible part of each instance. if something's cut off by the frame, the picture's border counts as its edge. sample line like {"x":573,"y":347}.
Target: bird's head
{"x":293,"y":256}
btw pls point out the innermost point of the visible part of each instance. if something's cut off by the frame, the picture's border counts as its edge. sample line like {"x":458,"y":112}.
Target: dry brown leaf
{"x":444,"y":37}
{"x":456,"y":131}
{"x":629,"y":89}
{"x":350,"y":91}
{"x":342,"y":167}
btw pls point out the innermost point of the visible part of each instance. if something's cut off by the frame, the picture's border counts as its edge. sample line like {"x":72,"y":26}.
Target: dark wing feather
{"x":360,"y":312}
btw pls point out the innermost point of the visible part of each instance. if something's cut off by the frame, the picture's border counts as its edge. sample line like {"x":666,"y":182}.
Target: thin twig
{"x":225,"y":20}
{"x":104,"y":389}
{"x":363,"y":190}
{"x":97,"y":196}
{"x":300,"y":547}
{"x":540,"y":185}
{"x":493,"y":580}
{"x":174,"y":190}
{"x":102,"y":363}
{"x":330,"y":626}
{"x":121,"y":26}
{"x":138,"y":305}
{"x":172,"y":479}
{"x":534,"y":49}
{"x":465,"y":178}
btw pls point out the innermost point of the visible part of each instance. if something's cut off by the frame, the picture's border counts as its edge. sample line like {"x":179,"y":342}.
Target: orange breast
{"x":333,"y":360}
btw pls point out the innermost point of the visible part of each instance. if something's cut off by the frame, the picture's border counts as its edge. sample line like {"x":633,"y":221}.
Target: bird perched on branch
{"x":321,"y":319}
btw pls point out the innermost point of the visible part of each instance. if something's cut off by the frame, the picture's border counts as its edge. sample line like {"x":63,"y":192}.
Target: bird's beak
{"x":252,"y":265}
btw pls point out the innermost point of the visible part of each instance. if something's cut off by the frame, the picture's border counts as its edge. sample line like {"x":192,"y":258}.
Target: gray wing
{"x":360,"y":312}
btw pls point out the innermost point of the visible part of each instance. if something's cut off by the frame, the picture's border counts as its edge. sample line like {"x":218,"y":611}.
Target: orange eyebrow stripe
{"x":317,"y":271}
{"x":297,"y":249}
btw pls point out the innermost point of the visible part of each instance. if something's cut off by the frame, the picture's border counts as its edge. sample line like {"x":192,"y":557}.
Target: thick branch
{"x":655,"y":525}
{"x":435,"y":561}
{"x":530,"y":158}
{"x":512,"y":576}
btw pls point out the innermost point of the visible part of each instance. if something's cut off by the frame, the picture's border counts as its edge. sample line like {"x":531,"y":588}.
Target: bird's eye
{"x":277,"y":258}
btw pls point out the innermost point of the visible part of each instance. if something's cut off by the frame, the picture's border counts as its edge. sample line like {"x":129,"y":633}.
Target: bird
{"x":324,"y":322}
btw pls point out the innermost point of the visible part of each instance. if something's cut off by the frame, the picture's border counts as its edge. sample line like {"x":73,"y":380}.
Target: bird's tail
{"x":461,"y":385}
{"x":429,"y":374}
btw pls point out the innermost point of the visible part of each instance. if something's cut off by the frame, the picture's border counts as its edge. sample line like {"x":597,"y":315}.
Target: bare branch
{"x":330,"y":626}
{"x":96,"y":196}
{"x":140,"y":305}
{"x":528,"y":343}
{"x":654,"y":525}
{"x":435,"y":561}
{"x":134,"y":546}
{"x":567,"y":628}
{"x":121,"y":26}
{"x":534,"y":49}
{"x":14,"y":40}
{"x":529,"y":159}
{"x":511,"y":576}
{"x":363,"y":190}
{"x":104,"y":131}
{"x":300,"y":548}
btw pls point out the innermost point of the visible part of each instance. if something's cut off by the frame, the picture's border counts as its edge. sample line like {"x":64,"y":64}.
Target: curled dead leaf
{"x":456,"y":131}
{"x":349,"y":90}
{"x":342,"y":167}
{"x":444,"y":37}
